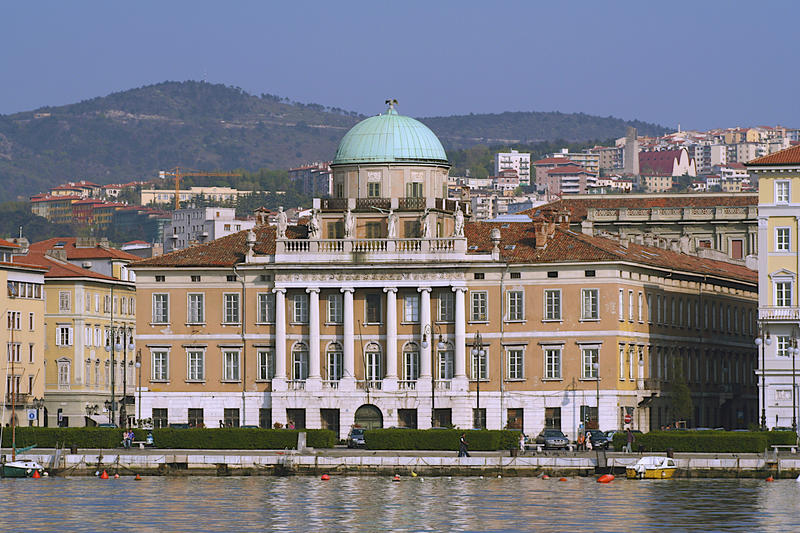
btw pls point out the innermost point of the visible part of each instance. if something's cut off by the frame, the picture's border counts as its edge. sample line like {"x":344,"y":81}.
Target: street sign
{"x":32,"y":415}
{"x":628,"y":418}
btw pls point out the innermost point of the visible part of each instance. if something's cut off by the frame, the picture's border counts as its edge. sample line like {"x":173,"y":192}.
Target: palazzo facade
{"x":389,"y":307}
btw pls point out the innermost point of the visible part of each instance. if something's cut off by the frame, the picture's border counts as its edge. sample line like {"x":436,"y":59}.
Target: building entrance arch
{"x":369,"y":417}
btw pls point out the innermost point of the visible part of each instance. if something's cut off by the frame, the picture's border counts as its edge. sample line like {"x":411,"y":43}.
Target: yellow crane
{"x":179,"y":173}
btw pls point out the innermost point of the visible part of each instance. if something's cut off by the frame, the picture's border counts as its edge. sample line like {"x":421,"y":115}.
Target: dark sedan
{"x":552,"y":439}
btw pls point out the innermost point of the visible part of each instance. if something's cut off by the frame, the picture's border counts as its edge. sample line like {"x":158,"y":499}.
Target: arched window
{"x":446,"y":361}
{"x":333,"y":361}
{"x":63,"y":372}
{"x":410,"y":362}
{"x":373,"y":362}
{"x":300,"y":362}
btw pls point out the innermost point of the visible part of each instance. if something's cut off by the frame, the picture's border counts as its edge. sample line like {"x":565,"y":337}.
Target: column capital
{"x":312,"y":289}
{"x":276,"y":290}
{"x":389,"y":289}
{"x":424,"y":289}
{"x":347,"y":289}
{"x":457,"y":289}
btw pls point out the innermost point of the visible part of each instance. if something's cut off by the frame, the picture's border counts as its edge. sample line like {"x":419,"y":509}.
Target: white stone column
{"x":425,"y":329}
{"x":348,"y":346}
{"x":390,"y":381}
{"x":314,"y":381}
{"x":279,"y":381}
{"x":460,"y":381}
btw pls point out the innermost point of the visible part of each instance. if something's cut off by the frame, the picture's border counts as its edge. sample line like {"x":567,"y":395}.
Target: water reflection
{"x":377,"y":504}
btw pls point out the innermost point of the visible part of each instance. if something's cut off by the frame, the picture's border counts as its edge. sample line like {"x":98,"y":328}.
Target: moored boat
{"x":21,"y":468}
{"x":652,"y":467}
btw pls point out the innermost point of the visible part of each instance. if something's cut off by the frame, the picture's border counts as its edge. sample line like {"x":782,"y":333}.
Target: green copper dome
{"x":390,"y":138}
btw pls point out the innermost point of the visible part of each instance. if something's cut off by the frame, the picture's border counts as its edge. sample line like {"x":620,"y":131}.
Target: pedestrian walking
{"x":580,"y":442}
{"x":462,"y":446}
{"x":522,"y":442}
{"x":629,"y":441}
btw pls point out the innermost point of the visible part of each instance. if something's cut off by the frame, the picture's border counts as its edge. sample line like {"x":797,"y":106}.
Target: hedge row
{"x":195,"y":439}
{"x":706,"y":441}
{"x":439,"y":439}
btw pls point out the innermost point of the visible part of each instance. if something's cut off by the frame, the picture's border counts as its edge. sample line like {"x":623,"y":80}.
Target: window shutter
{"x":70,"y":337}
{"x":58,"y":341}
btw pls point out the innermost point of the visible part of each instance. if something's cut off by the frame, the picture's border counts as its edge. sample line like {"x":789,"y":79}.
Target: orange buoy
{"x":116,"y":476}
{"x":36,"y":474}
{"x":396,"y":478}
{"x":138,"y":477}
{"x":770,"y":478}
{"x":325,"y":477}
{"x":605,"y":478}
{"x":104,"y":475}
{"x":562,"y":479}
{"x":545,"y":476}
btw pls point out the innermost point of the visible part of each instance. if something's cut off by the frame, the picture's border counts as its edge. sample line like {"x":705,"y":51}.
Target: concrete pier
{"x":367,"y":462}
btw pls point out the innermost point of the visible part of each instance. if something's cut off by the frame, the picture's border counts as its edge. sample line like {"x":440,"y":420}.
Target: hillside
{"x":133,"y":134}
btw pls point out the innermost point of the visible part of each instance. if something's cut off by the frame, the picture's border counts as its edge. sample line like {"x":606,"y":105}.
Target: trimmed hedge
{"x":706,"y":441}
{"x":194,"y":439}
{"x":439,"y":439}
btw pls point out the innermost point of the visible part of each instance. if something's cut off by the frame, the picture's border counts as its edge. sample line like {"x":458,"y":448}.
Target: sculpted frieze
{"x":370,"y":276}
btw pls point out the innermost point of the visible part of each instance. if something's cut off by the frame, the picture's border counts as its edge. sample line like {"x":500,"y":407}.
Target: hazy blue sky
{"x":702,"y":64}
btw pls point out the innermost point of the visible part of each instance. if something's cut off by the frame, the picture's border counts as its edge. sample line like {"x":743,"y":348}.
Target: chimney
{"x":59,"y":254}
{"x":495,"y":237}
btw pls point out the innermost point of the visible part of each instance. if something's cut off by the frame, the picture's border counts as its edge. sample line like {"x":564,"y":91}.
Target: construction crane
{"x":179,"y":173}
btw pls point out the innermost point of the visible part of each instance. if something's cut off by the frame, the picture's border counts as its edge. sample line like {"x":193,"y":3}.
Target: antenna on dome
{"x":391,"y":102}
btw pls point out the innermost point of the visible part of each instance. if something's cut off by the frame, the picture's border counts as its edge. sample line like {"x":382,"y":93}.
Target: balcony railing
{"x":388,"y":248}
{"x":779,"y":313}
{"x":19,"y":398}
{"x":296,"y":384}
{"x":330,"y":383}
{"x":369,"y":384}
{"x":442,"y":384}
{"x":407,"y":384}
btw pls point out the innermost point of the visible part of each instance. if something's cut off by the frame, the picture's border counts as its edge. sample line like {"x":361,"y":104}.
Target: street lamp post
{"x":112,"y":406}
{"x":596,"y":367}
{"x":478,"y":353}
{"x":139,"y":401}
{"x":127,"y":344}
{"x":794,"y":350}
{"x":38,"y":403}
{"x":440,"y":346}
{"x":762,"y":340}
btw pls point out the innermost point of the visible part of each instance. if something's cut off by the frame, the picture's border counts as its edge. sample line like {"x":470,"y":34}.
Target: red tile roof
{"x":74,"y":252}
{"x":517,"y":245}
{"x":569,"y":246}
{"x":62,"y":269}
{"x":8,"y":244}
{"x":787,"y":156}
{"x":579,"y":205}
{"x":569,"y":169}
{"x":658,"y":162}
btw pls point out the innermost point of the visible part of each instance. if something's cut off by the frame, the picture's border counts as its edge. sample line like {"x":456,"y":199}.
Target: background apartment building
{"x":198,"y":225}
{"x":516,"y":161}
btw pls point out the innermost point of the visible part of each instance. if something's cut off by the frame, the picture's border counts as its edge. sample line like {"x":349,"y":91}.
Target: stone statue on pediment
{"x":349,"y":224}
{"x":458,"y":230}
{"x":391,"y":225}
{"x":282,"y":222}
{"x":314,"y":225}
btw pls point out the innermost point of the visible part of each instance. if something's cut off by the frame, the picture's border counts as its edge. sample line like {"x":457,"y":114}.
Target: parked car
{"x":598,"y":438}
{"x":552,"y":439}
{"x":355,"y":439}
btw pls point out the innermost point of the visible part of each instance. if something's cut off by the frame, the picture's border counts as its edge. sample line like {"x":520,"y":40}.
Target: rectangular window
{"x":589,"y":304}
{"x":446,"y":364}
{"x":14,"y":320}
{"x":515,"y":305}
{"x":196,"y":313}
{"x":31,"y":352}
{"x":478,"y":364}
{"x":552,"y":304}
{"x":782,"y":348}
{"x":410,"y":363}
{"x":552,"y":418}
{"x":621,"y":362}
{"x":265,"y":417}
{"x":88,"y":300}
{"x":373,"y":230}
{"x":231,"y":308}
{"x":783,"y":294}
{"x":160,"y":309}
{"x":63,"y":336}
{"x":630,"y":306}
{"x":160,"y":365}
{"x":335,"y":363}
{"x":621,"y":305}
{"x":265,"y":364}
{"x":335,"y":309}
{"x":266,"y":308}
{"x":373,"y":308}
{"x":640,"y":307}
{"x":64,"y":301}
{"x":195,"y":417}
{"x":231,"y":417}
{"x":230,"y":365}
{"x":160,"y":418}
{"x":552,"y":363}
{"x":782,"y":239}
{"x":446,"y":306}
{"x":411,"y":308}
{"x":414,"y":190}
{"x":480,"y":311}
{"x":374,"y":189}
{"x":515,"y":364}
{"x":589,"y":358}
{"x":195,"y":360}
{"x":782,"y":192}
{"x":12,"y":352}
